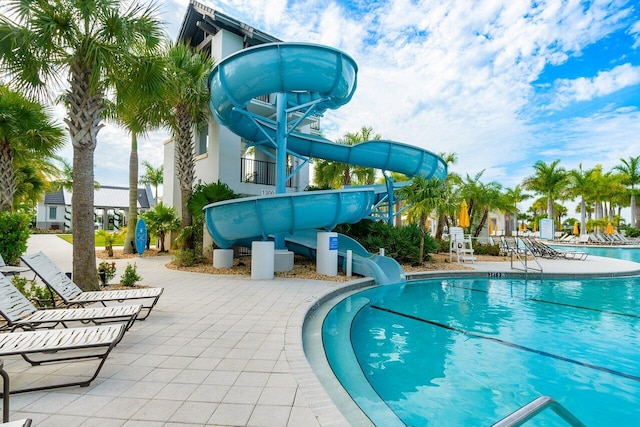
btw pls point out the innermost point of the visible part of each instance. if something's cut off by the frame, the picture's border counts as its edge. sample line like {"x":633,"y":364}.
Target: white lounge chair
{"x":10,"y":270}
{"x":460,"y":245}
{"x":72,"y":295}
{"x":20,"y":313}
{"x":62,"y":345}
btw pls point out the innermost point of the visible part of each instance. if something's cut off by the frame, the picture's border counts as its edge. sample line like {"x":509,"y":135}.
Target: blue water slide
{"x":322,"y":78}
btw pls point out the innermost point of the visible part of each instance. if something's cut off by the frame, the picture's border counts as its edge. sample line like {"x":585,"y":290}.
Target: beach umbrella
{"x":576,"y":231}
{"x":609,"y":229}
{"x":464,"y":215}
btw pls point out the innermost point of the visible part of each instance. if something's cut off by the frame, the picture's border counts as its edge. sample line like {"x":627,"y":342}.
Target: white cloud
{"x":604,"y":83}
{"x":448,"y":76}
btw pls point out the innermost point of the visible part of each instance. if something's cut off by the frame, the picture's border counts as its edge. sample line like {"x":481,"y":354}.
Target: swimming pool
{"x":469,"y":351}
{"x":625,"y":253}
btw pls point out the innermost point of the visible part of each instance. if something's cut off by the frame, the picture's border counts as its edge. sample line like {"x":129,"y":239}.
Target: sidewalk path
{"x":216,"y":350}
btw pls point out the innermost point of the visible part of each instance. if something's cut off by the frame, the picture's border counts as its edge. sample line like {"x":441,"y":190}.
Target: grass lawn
{"x":98,"y":239}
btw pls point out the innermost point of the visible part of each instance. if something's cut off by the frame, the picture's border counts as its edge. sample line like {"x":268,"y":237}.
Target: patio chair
{"x":62,"y":345}
{"x":20,"y":313}
{"x":460,"y":245}
{"x":72,"y":295}
{"x":10,"y":270}
{"x":5,"y":402}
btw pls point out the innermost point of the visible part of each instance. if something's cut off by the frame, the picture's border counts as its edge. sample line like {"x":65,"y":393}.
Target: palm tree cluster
{"x":600,"y":194}
{"x":104,"y":59}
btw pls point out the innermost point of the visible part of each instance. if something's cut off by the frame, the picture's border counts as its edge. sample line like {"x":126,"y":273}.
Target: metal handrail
{"x":535,"y":407}
{"x":524,"y":262}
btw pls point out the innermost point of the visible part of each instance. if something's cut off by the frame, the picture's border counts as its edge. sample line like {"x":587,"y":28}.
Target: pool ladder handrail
{"x":535,"y":407}
{"x":527,"y":253}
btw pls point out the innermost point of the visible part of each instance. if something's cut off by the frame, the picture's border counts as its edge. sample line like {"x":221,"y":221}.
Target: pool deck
{"x":216,"y":350}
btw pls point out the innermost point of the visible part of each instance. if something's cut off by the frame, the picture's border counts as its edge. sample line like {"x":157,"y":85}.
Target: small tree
{"x":14,"y":233}
{"x":109,"y":240}
{"x":161,"y":220}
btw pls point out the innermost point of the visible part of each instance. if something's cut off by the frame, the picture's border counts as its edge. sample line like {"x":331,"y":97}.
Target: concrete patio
{"x":216,"y":350}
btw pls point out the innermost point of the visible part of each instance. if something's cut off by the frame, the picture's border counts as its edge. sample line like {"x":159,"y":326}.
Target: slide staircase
{"x":307,"y":79}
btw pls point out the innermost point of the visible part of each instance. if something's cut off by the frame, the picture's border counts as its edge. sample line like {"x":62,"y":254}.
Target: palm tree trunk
{"x":634,"y":217}
{"x":84,"y":114}
{"x":184,"y":161}
{"x":133,"y":197}
{"x":82,"y":219}
{"x":583,"y":216}
{"x":423,"y":220}
{"x":7,"y":178}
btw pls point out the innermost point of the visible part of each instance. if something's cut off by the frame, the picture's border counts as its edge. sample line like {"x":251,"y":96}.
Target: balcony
{"x":260,"y":172}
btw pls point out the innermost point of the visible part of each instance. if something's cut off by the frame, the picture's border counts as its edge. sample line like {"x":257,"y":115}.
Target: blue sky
{"x":500,"y":83}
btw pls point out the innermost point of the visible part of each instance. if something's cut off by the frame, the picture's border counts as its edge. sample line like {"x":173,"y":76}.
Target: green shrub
{"x":186,"y":257}
{"x":493,"y":250}
{"x":39,"y":294}
{"x":130,"y":275}
{"x":14,"y":233}
{"x":632,"y":232}
{"x":401,"y":243}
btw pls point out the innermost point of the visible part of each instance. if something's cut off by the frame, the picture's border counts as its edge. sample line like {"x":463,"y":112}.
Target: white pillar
{"x":223,"y":258}
{"x":262,"y":258}
{"x":327,"y":253}
{"x":349,"y":262}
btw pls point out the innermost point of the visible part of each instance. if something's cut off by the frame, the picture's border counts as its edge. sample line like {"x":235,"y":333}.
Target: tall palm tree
{"x":580,"y":181}
{"x":425,"y":197}
{"x":514,"y":196}
{"x":138,"y":110}
{"x":87,"y":44}
{"x":550,"y":180}
{"x":27,"y":131}
{"x":449,"y":205}
{"x":187,"y":96}
{"x":152,"y":176}
{"x":630,"y":170}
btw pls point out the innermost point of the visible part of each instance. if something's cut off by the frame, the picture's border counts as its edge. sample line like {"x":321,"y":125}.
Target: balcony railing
{"x":260,"y":172}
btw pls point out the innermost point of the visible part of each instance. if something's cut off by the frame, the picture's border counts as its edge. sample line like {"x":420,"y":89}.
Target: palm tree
{"x":187,"y":96}
{"x":152,"y":176}
{"x":138,"y":110}
{"x":514,"y":196}
{"x":27,"y":132}
{"x":483,"y":198}
{"x":580,"y":182}
{"x":63,"y":177}
{"x":449,"y":206}
{"x":425,"y":197}
{"x":630,"y":170}
{"x":337,"y":174}
{"x":550,"y":180}
{"x":86,"y":44}
{"x":161,"y":220}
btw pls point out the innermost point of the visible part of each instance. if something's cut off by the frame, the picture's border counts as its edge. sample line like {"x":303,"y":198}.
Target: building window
{"x":203,"y":140}
{"x":53,"y":212}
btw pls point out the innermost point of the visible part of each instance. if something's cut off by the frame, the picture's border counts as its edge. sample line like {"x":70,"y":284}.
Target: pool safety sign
{"x":333,"y":243}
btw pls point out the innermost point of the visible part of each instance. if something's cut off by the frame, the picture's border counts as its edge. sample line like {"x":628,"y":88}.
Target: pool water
{"x":628,"y":254}
{"x":469,"y":351}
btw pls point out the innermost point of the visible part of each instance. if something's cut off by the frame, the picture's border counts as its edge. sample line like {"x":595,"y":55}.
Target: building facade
{"x":220,"y":155}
